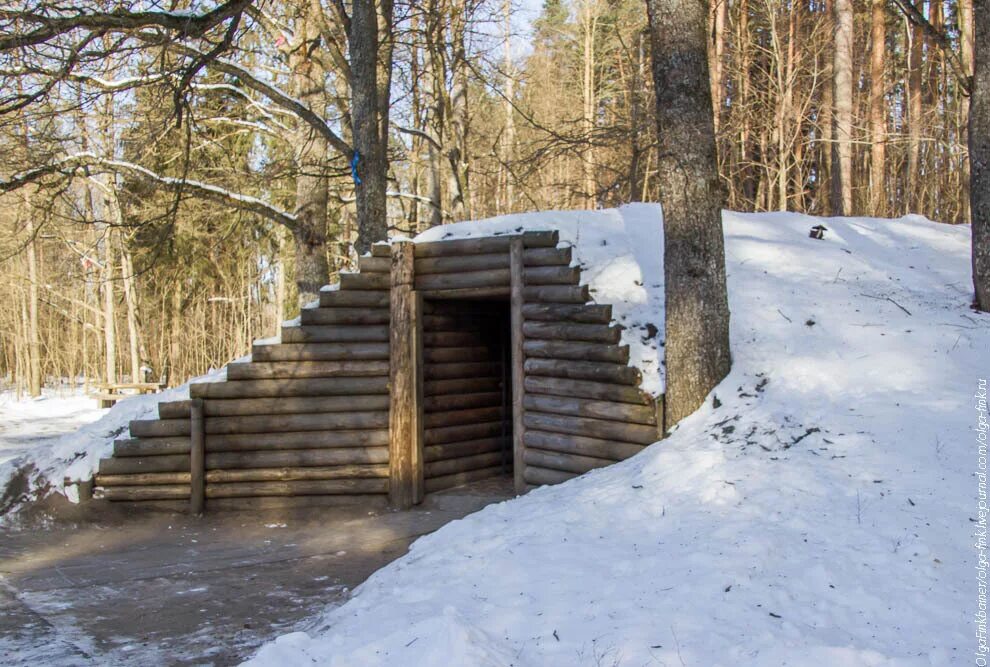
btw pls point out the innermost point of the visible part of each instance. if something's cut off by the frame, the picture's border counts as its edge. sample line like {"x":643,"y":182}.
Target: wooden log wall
{"x":468,"y":419}
{"x":309,"y":417}
{"x":305,"y":419}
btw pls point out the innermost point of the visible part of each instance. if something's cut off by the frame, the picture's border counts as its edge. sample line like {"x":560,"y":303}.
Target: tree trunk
{"x":312,"y":185}
{"x":966,"y":55}
{"x":33,"y":335}
{"x":697,"y":310}
{"x":842,"y":78}
{"x":916,"y":37}
{"x":109,"y":316}
{"x":878,"y":109}
{"x":979,"y":154}
{"x":589,"y":22}
{"x":716,"y":54}
{"x":371,"y":161}
{"x":457,"y":154}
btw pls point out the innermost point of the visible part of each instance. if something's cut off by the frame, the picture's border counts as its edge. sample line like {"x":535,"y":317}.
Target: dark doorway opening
{"x":467,"y":391}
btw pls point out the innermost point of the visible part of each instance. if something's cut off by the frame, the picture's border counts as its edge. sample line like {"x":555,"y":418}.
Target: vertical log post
{"x":405,"y":448}
{"x":197,"y":458}
{"x":516,"y":355}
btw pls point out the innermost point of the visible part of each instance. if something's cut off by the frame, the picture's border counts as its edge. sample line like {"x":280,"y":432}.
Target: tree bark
{"x":842,"y":78}
{"x":371,"y":161}
{"x":878,"y":109}
{"x":916,"y":36}
{"x":33,"y":334}
{"x":308,"y":85}
{"x":979,"y":154}
{"x":697,"y":310}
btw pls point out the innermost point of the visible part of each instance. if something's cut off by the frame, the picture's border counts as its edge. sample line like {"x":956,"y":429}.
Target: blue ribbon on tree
{"x":354,"y":166}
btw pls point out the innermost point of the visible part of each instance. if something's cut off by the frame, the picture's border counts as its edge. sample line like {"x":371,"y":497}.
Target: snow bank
{"x":823,"y":514}
{"x":620,"y":252}
{"x":76,"y":455}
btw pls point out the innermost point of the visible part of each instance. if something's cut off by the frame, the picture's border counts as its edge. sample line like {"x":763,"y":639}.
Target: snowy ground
{"x":65,"y":437}
{"x":818,"y":510}
{"x":26,"y":424}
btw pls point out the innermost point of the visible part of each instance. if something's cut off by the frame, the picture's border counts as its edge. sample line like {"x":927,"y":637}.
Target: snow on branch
{"x":69,"y":164}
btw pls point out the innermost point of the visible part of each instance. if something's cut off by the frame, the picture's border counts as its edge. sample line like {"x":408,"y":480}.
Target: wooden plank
{"x":461,"y":401}
{"x":300,"y":458}
{"x":592,"y":333}
{"x":404,"y":423}
{"x":547,"y":349}
{"x":296,"y":405}
{"x":364,"y":298}
{"x":197,"y":456}
{"x":143,"y":464}
{"x":451,"y":450}
{"x":459,"y":263}
{"x":468,"y":293}
{"x":133,"y":493}
{"x":583,"y":370}
{"x":344,"y":315}
{"x":564,"y":462}
{"x":458,"y":370}
{"x":589,"y":313}
{"x":371,"y":333}
{"x":470,"y":385}
{"x":364,"y":281}
{"x":284,"y":388}
{"x":446,"y":355}
{"x":449,"y":481}
{"x":297,"y":488}
{"x":517,"y":358}
{"x":557,"y":294}
{"x":463,"y":464}
{"x":381,"y":249}
{"x":484,"y":245}
{"x":452,"y":338}
{"x":287,"y":440}
{"x":603,"y":391}
{"x":552,"y":275}
{"x":298,"y":370}
{"x":159,"y":428}
{"x":294,"y":474}
{"x":582,"y":407}
{"x":547,"y":256}
{"x":458,"y":417}
{"x":174,"y":410}
{"x":581,"y":445}
{"x":297,"y":422}
{"x":541,"y":476}
{"x":374,"y":264}
{"x":320,"y":351}
{"x":463,"y":280}
{"x":595,"y":428}
{"x":142,"y":479}
{"x":444,"y":434}
{"x":150,"y":446}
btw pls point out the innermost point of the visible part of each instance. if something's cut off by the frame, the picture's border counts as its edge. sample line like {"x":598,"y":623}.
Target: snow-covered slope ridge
{"x":823,"y":514}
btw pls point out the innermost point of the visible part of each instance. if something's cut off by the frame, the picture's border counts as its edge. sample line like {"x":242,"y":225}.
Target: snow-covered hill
{"x":820,"y":509}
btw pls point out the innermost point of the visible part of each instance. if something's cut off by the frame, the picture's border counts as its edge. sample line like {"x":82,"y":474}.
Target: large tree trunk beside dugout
{"x":979,"y":155}
{"x":697,"y":309}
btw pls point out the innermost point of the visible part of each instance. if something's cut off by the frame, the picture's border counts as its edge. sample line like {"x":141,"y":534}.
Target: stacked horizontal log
{"x":305,"y":418}
{"x":583,"y":408}
{"x":466,"y":413}
{"x":309,"y":416}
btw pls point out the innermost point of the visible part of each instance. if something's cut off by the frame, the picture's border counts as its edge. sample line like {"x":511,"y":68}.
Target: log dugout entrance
{"x":467,"y":391}
{"x":439,"y":363}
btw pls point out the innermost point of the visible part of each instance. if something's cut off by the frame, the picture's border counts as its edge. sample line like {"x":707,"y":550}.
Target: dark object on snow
{"x":818,"y":232}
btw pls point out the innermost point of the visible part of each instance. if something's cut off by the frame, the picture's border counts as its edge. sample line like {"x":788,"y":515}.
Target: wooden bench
{"x":109,"y":393}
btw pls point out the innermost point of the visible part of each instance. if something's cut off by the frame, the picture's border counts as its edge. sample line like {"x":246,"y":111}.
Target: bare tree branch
{"x":70,"y":164}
